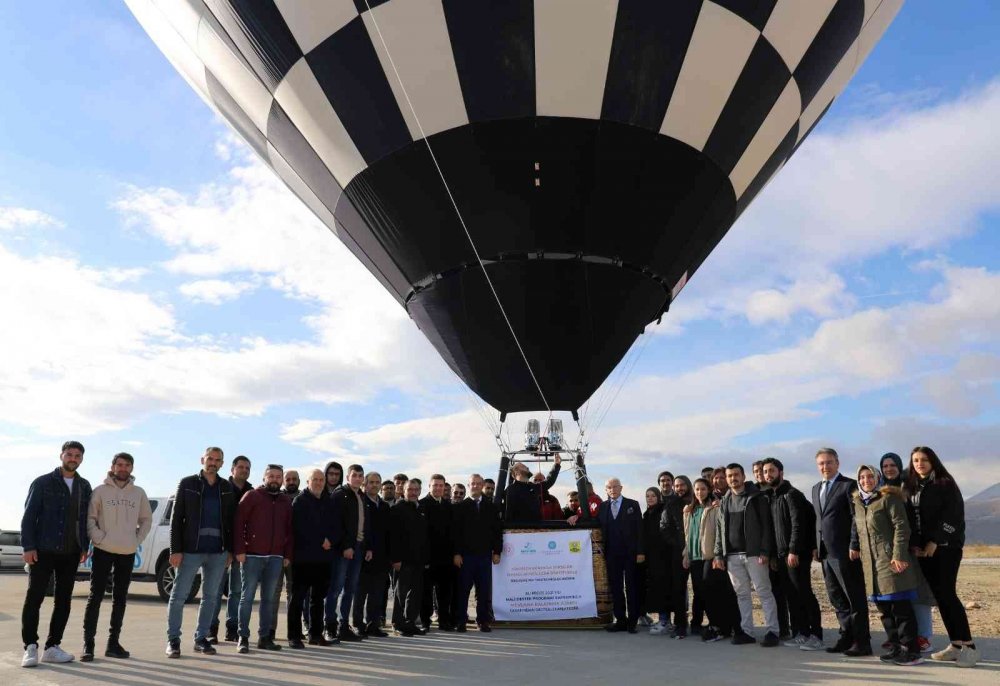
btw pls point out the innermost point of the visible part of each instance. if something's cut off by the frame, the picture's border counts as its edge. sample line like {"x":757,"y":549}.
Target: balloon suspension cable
{"x":454,"y":204}
{"x":624,"y":380}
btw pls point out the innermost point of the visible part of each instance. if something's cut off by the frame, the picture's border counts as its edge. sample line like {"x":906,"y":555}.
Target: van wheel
{"x":165,"y":578}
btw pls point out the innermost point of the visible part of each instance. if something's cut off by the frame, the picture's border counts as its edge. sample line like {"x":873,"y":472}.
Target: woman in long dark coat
{"x":657,"y":581}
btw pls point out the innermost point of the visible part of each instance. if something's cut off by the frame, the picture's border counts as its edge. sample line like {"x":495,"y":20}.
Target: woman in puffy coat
{"x":657,"y":582}
{"x":883,"y":536}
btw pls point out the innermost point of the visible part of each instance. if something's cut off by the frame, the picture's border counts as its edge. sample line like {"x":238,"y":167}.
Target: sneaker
{"x":202,"y":645}
{"x":710,"y":635}
{"x":115,"y":649}
{"x":30,"y":658}
{"x":320,"y":640}
{"x":770,"y":640}
{"x":243,"y":645}
{"x":88,"y":652}
{"x":741,"y":638}
{"x":905,"y":658}
{"x":968,"y":657}
{"x":267,"y":644}
{"x":949,"y":654}
{"x":174,"y":648}
{"x":213,"y":634}
{"x":56,"y":654}
{"x":658,"y":629}
{"x":812,"y":643}
{"x":840,"y":646}
{"x":924,"y":645}
{"x":645,"y":621}
{"x":348,"y":634}
{"x":796,"y":642}
{"x":296,"y":644}
{"x":859,"y":650}
{"x":891,"y":654}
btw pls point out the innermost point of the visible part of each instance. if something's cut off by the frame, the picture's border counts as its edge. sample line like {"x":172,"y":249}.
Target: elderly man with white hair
{"x":621,"y":529}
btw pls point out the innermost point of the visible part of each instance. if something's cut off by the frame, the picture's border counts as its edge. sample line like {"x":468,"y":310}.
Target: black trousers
{"x":476,"y":572}
{"x":678,"y":587}
{"x":845,"y":586}
{"x":718,"y":595}
{"x":439,"y":592}
{"x":780,"y":594}
{"x":623,"y":581}
{"x":409,"y":595}
{"x":119,"y":568}
{"x":64,"y":567}
{"x":369,"y":599}
{"x":941,"y":572}
{"x":802,"y":603}
{"x":899,"y":622}
{"x":309,"y":580}
{"x":697,"y":600}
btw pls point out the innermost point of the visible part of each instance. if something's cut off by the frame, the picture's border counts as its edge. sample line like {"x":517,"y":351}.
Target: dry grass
{"x":981,"y":550}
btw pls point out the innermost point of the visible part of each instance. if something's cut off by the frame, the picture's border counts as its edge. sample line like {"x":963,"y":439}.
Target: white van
{"x":10,"y":550}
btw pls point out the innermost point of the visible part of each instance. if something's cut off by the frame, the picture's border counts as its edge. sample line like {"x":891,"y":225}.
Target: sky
{"x":163,"y":291}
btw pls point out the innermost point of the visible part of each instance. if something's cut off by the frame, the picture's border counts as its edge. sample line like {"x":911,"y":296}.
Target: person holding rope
{"x":524,"y":498}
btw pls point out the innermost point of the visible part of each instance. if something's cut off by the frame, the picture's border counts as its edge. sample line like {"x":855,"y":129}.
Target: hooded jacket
{"x":119,"y":517}
{"x":883,"y":532}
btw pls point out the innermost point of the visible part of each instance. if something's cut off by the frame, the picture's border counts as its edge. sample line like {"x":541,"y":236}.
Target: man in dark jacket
{"x":439,"y":578}
{"x":744,"y":546}
{"x":524,"y":498}
{"x":54,"y":539}
{"x":408,"y":555}
{"x":239,"y":479}
{"x":292,"y":481}
{"x":263,"y":546}
{"x":349,"y":505}
{"x":845,"y":582}
{"x":201,"y":538}
{"x":794,"y":540}
{"x":369,"y":602}
{"x":621,"y":529}
{"x":316,"y":534}
{"x":477,"y":533}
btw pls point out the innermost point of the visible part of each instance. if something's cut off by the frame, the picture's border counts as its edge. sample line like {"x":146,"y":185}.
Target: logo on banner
{"x":528,"y":549}
{"x":575,"y":546}
{"x":552,"y":545}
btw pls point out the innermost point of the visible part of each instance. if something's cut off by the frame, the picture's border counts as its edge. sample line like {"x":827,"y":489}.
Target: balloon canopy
{"x":533,"y":180}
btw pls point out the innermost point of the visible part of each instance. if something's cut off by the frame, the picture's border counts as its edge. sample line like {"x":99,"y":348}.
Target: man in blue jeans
{"x":201,"y":535}
{"x":352,"y":550}
{"x":240,"y":480}
{"x":263,"y":546}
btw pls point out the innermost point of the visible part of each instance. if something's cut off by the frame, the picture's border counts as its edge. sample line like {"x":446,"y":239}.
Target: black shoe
{"x":840,"y":646}
{"x":201,"y":645}
{"x":174,"y":648}
{"x":907,"y":659}
{"x":320,"y":640}
{"x":407,"y":630}
{"x":859,"y":650}
{"x":376,"y":632}
{"x":271,"y":636}
{"x":361,"y":631}
{"x":232,"y":635}
{"x":485,"y":628}
{"x":446,"y":627}
{"x":267,"y":644}
{"x":296,"y":644}
{"x":770,"y":640}
{"x":88,"y":652}
{"x":741,"y":638}
{"x":696,"y":629}
{"x":632,"y":628}
{"x":213,"y":634}
{"x":461,"y":628}
{"x":243,"y":645}
{"x":615,"y":627}
{"x":114,"y":649}
{"x":422,"y":630}
{"x":680,"y":634}
{"x":347,"y":634}
{"x":891,"y":654}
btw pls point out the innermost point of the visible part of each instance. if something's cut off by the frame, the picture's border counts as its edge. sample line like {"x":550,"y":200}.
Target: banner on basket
{"x":545,"y":575}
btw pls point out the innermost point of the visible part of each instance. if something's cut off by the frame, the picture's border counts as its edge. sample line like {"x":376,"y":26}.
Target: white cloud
{"x":20,"y":217}
{"x":823,"y":297}
{"x":215,"y":291}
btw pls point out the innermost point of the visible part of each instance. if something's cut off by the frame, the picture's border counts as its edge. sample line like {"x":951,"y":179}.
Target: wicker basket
{"x":600,"y":588}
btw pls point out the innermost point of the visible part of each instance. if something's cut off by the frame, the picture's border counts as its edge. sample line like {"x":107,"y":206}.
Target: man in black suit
{"x":369,"y":601}
{"x":621,"y":529}
{"x":440,"y":575}
{"x":842,"y":572}
{"x":478,"y":535}
{"x":524,"y":498}
{"x":408,"y":555}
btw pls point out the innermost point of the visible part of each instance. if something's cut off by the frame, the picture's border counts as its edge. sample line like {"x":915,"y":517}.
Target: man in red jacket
{"x":263,"y":546}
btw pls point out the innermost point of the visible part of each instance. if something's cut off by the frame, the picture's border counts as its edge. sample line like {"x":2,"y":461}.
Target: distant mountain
{"x":982,"y":516}
{"x":991,"y":493}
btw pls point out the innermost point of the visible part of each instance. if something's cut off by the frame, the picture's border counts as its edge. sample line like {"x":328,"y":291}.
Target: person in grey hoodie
{"x":118,"y":519}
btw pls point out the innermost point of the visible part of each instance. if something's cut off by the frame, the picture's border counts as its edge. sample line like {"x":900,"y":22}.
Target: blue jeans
{"x":233,"y":601}
{"x":344,"y":575}
{"x":925,"y":626}
{"x":212,"y":566}
{"x":264,"y":571}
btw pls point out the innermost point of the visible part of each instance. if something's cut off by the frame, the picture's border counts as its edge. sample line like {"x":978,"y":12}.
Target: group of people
{"x":345,"y":541}
{"x":892,"y":536}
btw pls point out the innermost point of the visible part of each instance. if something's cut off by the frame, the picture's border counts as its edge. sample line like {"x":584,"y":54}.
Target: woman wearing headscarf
{"x":883,"y":536}
{"x":891,"y":466}
{"x":939,"y":536}
{"x":657,"y":582}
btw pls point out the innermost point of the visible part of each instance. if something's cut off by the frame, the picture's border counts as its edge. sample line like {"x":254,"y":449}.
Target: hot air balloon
{"x":535,"y":181}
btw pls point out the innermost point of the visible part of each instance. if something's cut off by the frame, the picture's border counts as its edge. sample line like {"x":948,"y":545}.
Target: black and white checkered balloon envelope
{"x":533,"y":180}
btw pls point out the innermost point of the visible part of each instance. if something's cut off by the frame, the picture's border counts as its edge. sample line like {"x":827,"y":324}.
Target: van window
{"x":167,"y":510}
{"x":153,"y":504}
{"x":10,"y":538}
